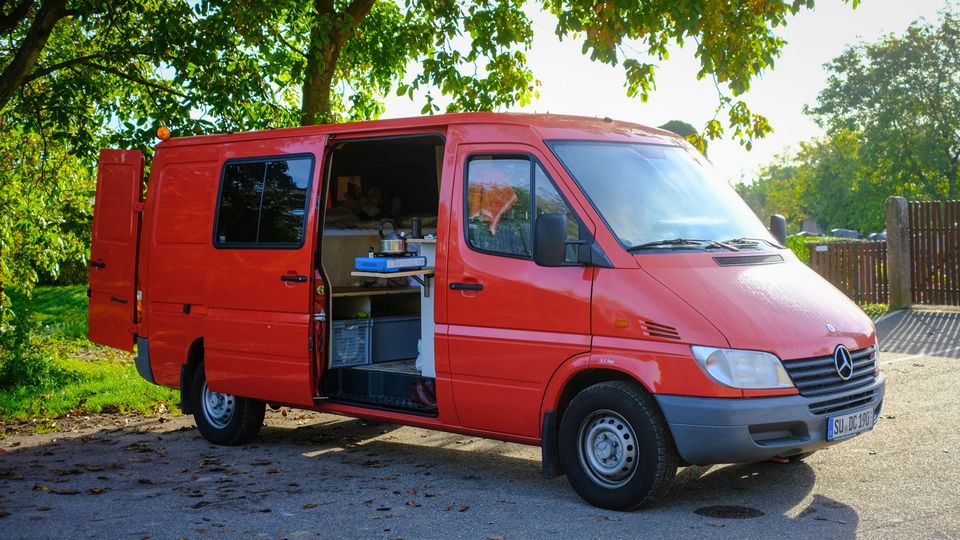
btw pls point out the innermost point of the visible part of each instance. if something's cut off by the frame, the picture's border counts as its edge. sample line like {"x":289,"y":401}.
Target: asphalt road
{"x":319,"y":476}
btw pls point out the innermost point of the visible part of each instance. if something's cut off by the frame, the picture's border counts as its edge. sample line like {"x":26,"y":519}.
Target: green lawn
{"x":85,"y":377}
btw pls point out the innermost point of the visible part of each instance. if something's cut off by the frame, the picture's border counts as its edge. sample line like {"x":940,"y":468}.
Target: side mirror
{"x":549,"y":240}
{"x":778,"y":228}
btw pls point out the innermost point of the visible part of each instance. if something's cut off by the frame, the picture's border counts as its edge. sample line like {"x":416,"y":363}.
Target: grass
{"x":89,"y":378}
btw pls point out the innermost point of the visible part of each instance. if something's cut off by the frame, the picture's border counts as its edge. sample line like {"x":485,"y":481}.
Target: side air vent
{"x":662,"y":331}
{"x":748,"y":260}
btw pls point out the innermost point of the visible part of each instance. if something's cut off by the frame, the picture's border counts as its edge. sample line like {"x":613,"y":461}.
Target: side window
{"x":263,"y":203}
{"x":498,"y":205}
{"x":501,"y":213}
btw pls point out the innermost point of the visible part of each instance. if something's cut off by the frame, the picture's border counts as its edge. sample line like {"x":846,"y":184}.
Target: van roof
{"x":548,"y":126}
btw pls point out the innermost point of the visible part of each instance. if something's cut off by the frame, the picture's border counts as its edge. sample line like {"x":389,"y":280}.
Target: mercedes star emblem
{"x":843,"y":362}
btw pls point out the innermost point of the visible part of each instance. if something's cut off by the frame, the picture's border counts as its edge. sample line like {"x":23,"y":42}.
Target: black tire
{"x":602,"y":465}
{"x":223,"y":418}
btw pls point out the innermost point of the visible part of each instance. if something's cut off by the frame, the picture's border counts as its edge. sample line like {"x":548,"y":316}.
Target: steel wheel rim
{"x":217,"y":408}
{"x":607,"y":446}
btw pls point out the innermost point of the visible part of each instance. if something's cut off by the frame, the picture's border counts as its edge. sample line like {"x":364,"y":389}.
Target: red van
{"x":589,"y":286}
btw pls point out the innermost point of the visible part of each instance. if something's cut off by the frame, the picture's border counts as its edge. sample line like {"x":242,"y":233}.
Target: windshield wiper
{"x":750,"y":242}
{"x":675,"y":242}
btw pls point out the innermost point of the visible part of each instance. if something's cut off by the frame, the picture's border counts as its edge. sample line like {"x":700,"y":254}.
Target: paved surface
{"x":319,"y":476}
{"x":934,"y":333}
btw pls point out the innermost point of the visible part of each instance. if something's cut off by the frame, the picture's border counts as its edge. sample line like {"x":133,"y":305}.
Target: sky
{"x":572,"y":84}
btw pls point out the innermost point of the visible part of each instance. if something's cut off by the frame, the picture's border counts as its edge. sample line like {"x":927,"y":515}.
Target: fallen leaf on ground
{"x":4,"y":514}
{"x":64,"y":491}
{"x":97,"y":490}
{"x":201,"y":504}
{"x":309,"y":505}
{"x":464,"y":508}
{"x":146,"y":481}
{"x":414,"y":504}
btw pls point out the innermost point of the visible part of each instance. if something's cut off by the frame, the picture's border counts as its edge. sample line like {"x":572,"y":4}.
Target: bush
{"x":874,"y":311}
{"x":24,"y":362}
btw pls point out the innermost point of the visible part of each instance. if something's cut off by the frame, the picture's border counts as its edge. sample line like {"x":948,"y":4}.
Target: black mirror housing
{"x":778,"y":228}
{"x":549,"y":240}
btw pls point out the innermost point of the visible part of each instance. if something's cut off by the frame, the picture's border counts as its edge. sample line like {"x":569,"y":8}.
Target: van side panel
{"x":257,"y":332}
{"x":180,"y":202}
{"x":113,"y":249}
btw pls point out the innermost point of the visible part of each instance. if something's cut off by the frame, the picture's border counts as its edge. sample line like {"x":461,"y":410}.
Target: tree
{"x":891,"y":111}
{"x":81,"y":74}
{"x":218,"y":56}
{"x":901,"y":95}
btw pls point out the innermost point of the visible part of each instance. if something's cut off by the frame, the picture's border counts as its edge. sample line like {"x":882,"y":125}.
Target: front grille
{"x":816,"y":377}
{"x":844,"y":403}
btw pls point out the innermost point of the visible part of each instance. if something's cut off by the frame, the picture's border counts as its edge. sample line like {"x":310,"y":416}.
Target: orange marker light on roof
{"x":163,"y":133}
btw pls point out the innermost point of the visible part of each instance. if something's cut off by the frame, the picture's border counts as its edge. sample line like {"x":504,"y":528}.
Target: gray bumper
{"x":143,"y":359}
{"x":719,"y":430}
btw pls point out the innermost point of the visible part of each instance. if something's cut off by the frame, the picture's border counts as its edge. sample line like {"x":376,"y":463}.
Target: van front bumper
{"x":723,"y":430}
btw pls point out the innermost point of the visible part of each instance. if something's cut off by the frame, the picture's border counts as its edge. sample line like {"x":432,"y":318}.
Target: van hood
{"x":783,"y":308}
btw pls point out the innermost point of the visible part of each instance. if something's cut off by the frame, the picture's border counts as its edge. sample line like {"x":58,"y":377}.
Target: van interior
{"x":380,"y":323}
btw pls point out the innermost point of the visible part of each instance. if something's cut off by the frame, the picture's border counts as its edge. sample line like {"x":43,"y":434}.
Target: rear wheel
{"x":224,"y":418}
{"x":615,"y":446}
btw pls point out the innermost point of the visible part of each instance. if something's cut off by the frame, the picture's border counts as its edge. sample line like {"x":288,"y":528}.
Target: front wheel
{"x":224,"y":418}
{"x":615,"y":446}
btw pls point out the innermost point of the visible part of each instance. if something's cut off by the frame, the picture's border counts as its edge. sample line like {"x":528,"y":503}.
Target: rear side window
{"x":501,"y":212}
{"x":263,"y":202}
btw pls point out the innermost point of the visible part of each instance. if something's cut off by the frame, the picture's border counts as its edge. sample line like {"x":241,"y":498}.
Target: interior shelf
{"x":343,"y":292}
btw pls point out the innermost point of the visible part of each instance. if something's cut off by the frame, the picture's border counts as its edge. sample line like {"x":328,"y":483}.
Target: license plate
{"x":848,"y":425}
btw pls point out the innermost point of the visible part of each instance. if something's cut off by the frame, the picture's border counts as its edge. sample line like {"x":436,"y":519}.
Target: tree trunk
{"x":30,"y":48}
{"x":329,"y":31}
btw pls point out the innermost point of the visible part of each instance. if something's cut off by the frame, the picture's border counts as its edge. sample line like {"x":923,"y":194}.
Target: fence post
{"x":898,"y":253}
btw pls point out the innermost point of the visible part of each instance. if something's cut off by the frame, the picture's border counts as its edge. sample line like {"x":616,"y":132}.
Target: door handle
{"x":457,"y":286}
{"x":98,"y":264}
{"x":293,"y":278}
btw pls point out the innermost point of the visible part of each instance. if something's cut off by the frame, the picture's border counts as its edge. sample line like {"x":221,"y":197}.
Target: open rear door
{"x":113,"y":249}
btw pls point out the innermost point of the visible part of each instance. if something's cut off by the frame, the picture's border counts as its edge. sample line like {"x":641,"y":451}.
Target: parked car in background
{"x":845,"y":233}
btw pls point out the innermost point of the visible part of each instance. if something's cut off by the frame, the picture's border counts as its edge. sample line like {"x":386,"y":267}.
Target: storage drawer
{"x":351,"y":343}
{"x":395,"y":338}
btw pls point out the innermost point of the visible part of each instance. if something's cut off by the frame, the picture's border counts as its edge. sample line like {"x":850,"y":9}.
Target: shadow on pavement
{"x":773,"y":488}
{"x":932,"y":333}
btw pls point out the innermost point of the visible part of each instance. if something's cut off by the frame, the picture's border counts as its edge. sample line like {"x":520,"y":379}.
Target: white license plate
{"x":847,"y":425}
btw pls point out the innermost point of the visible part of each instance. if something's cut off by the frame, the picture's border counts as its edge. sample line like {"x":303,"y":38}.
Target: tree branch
{"x":134,"y":79}
{"x":8,"y":22}
{"x":50,"y":12}
{"x":58,"y":66}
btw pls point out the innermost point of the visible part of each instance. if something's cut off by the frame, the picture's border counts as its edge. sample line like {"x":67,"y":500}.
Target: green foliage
{"x":45,"y":195}
{"x":61,"y":312}
{"x":800,"y":245}
{"x":48,"y":368}
{"x":97,"y":386}
{"x":891,"y":110}
{"x":875,"y":311}
{"x":24,"y":361}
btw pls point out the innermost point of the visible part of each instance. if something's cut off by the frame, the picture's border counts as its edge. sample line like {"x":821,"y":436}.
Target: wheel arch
{"x":187,"y":369}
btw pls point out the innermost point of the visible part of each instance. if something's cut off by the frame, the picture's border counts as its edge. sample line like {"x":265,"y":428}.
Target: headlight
{"x":742,"y":369}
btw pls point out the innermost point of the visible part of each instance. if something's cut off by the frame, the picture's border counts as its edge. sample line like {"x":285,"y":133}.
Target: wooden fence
{"x":859,"y":269}
{"x":934,"y":235}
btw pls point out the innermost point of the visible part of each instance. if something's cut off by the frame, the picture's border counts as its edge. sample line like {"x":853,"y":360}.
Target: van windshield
{"x":655,"y":197}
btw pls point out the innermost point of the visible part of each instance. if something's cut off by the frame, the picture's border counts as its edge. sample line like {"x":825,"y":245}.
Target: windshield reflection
{"x":649,"y":194}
